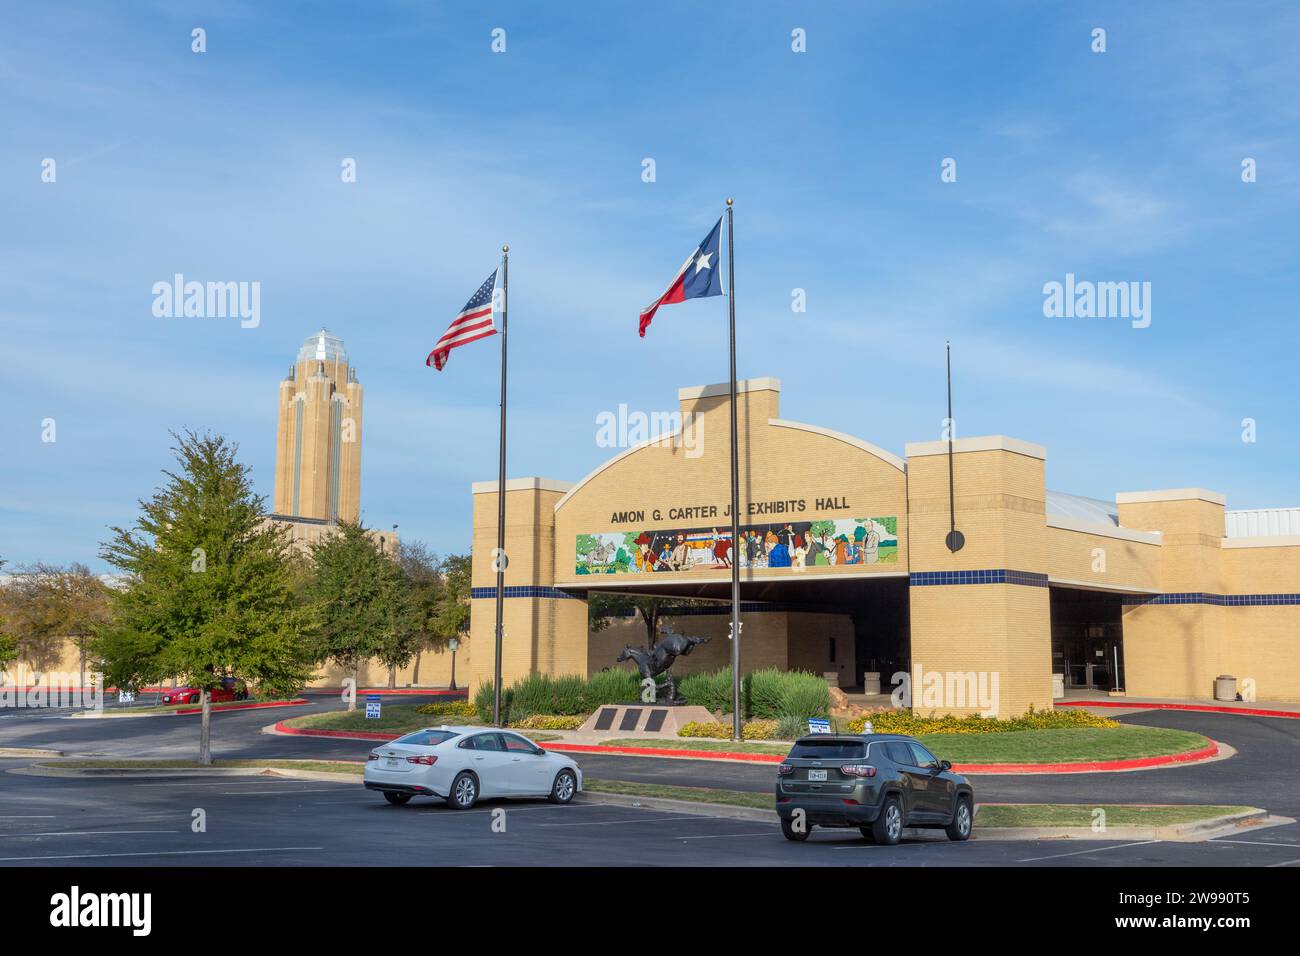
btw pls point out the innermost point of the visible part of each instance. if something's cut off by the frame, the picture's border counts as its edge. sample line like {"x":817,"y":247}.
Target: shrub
{"x":613,"y":686}
{"x":909,"y":722}
{"x":710,"y":690}
{"x":758,"y":729}
{"x":791,"y":728}
{"x":483,"y":701}
{"x":774,"y":694}
{"x":453,"y":708}
{"x":717,"y":730}
{"x":549,"y":722}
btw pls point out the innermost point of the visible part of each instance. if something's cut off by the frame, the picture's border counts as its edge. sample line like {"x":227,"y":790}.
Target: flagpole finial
{"x":505,"y":248}
{"x":728,"y":200}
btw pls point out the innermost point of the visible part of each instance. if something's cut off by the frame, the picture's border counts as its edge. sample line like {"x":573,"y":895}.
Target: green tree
{"x":47,"y":605}
{"x":452,"y":618}
{"x":208,"y":591}
{"x":366,"y":609}
{"x":422,"y":572}
{"x":8,"y":644}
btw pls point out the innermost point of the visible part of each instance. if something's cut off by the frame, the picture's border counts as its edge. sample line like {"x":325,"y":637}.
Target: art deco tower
{"x":318,"y":445}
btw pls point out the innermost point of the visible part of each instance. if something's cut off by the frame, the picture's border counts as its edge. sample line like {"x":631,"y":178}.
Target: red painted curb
{"x":562,"y":747}
{"x":1202,"y":708}
{"x":252,"y":705}
{"x":1100,"y":766}
{"x":340,"y":734}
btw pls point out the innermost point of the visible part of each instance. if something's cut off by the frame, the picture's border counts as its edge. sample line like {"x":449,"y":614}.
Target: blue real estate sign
{"x":372,"y":707}
{"x":818,"y":726}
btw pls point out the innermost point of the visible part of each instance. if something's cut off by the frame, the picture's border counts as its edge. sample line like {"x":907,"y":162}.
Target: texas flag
{"x":698,"y":277}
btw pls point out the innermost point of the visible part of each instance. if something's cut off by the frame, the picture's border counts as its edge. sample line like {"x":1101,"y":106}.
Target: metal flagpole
{"x":499,"y":559}
{"x":955,"y":539}
{"x":735,"y":493}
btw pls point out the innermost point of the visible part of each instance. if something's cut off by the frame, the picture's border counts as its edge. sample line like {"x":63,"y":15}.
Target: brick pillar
{"x":984,"y":609}
{"x":545,"y":630}
{"x":1172,"y":644}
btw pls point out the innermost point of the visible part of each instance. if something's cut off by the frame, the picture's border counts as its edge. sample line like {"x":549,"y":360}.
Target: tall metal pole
{"x":499,"y":559}
{"x":955,"y":539}
{"x":735,"y":491}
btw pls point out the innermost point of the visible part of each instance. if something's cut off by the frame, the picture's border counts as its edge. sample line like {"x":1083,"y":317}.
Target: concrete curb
{"x":187,"y":710}
{"x":1197,"y":708}
{"x":1215,"y":751}
{"x":147,"y":773}
{"x":1182,"y":832}
{"x":694,"y":807}
{"x":27,"y":752}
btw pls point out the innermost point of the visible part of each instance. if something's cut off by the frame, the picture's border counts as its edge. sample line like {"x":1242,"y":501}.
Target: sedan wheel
{"x":464,"y":791}
{"x":565,"y":786}
{"x":396,"y":799}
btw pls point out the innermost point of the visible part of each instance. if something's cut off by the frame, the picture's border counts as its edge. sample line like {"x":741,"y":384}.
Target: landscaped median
{"x":394,"y":721}
{"x":165,"y":710}
{"x":1004,"y":821}
{"x":1063,"y":750}
{"x":338,"y":770}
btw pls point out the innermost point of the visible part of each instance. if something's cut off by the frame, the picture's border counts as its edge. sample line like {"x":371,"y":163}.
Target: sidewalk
{"x":1102,"y":703}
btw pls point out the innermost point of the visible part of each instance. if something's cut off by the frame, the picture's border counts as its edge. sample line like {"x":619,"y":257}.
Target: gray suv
{"x":878,"y":783}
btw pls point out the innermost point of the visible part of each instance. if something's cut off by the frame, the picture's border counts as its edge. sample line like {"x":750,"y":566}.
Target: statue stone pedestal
{"x":645,"y":718}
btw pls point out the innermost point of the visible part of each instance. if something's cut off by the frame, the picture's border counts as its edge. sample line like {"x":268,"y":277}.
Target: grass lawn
{"x":395,"y":719}
{"x":731,"y":798}
{"x":172,"y":708}
{"x":1062,"y":745}
{"x":1081,"y":815}
{"x":327,"y":766}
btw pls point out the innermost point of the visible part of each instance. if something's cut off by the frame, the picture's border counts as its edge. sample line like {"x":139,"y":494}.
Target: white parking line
{"x":240,"y":793}
{"x":19,"y":836}
{"x":1099,"y":849}
{"x":1255,"y":843}
{"x":724,"y":836}
{"x":31,"y":816}
{"x":1287,"y":863}
{"x":659,"y":817}
{"x":94,"y":856}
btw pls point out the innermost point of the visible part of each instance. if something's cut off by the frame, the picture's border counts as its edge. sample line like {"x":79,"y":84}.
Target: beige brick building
{"x":318,"y":437}
{"x":845,"y":566}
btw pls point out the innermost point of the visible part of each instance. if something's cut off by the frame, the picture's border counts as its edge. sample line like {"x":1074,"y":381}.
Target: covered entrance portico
{"x":846,"y":626}
{"x":1087,"y":638}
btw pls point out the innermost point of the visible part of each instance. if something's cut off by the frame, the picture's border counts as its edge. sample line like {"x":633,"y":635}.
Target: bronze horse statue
{"x":659,"y":660}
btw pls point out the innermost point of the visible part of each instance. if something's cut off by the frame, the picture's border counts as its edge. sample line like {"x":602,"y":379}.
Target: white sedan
{"x":462,"y":764}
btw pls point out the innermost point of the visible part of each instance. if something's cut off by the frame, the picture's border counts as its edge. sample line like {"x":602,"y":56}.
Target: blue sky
{"x":1120,"y":166}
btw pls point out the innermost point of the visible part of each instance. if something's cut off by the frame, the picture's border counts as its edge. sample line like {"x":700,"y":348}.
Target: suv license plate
{"x":816,"y":774}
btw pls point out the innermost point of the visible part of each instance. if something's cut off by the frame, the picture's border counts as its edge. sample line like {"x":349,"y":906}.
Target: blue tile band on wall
{"x":1029,"y":579}
{"x":521,"y":591}
{"x":1218,"y":600}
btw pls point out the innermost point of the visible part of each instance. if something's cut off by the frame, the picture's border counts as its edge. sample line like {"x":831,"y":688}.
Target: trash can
{"x":1225,"y":687}
{"x":1058,"y":686}
{"x":871,"y":682}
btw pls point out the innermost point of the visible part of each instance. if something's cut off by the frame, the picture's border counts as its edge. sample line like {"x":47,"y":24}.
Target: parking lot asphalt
{"x":255,"y":821}
{"x":286,"y":822}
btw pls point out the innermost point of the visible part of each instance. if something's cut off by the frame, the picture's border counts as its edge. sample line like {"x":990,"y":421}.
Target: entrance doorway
{"x":1087,"y":638}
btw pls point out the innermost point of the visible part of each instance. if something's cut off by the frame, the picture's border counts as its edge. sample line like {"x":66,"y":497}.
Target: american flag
{"x":474,"y":322}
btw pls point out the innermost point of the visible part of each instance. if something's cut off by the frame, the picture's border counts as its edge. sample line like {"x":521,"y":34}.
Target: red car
{"x":229,"y":688}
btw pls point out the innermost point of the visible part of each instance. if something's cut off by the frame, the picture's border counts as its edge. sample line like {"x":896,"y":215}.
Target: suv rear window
{"x":426,"y":738}
{"x":829,"y":750}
